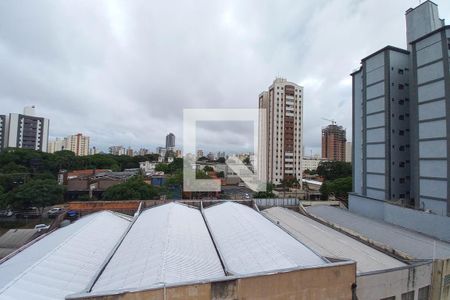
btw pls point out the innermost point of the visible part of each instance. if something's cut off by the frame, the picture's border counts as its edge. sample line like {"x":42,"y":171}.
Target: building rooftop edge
{"x":411,"y":9}
{"x":430,"y":34}
{"x":388,"y":47}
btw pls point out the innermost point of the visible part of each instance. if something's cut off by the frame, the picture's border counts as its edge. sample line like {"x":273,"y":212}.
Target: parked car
{"x":41,"y":227}
{"x":72,"y":215}
{"x":55,"y":211}
{"x":247,"y":196}
{"x":6,"y":213}
{"x":28,"y":213}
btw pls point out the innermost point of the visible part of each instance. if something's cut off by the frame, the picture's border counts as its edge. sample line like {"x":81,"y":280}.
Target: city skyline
{"x":132,"y":72}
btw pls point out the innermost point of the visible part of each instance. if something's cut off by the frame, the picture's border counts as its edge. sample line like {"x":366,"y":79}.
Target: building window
{"x":402,"y":196}
{"x":401,"y":132}
{"x":402,"y":180}
{"x":401,"y":117}
{"x":400,"y":71}
{"x":408,"y":296}
{"x":401,"y":102}
{"x":401,"y":165}
{"x":425,"y":291}
{"x":401,"y":86}
{"x":401,"y":148}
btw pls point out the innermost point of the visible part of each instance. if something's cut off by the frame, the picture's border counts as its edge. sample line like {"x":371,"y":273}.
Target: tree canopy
{"x":134,"y":188}
{"x":332,"y":170}
{"x":39,"y":193}
{"x":339,"y":187}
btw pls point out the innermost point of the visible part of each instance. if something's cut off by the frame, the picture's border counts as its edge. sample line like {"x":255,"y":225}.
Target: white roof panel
{"x":249,"y":243}
{"x":63,"y":262}
{"x":413,"y":243}
{"x":167,"y":244}
{"x":331,"y":243}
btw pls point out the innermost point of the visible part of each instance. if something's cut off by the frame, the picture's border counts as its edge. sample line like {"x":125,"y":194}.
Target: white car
{"x":247,"y":196}
{"x":41,"y":227}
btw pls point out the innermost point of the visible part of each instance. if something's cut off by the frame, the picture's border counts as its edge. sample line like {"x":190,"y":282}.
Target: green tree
{"x":267,"y":194}
{"x":246,"y":160}
{"x":221,"y":174}
{"x":39,"y":193}
{"x":208,"y":169}
{"x":134,"y":188}
{"x":331,"y":170}
{"x":221,"y":160}
{"x":162,"y":167}
{"x":339,"y":188}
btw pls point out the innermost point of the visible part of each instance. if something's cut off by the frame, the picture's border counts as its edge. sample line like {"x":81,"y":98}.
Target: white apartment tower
{"x":26,"y":130}
{"x":401,"y":118}
{"x":280,"y":132}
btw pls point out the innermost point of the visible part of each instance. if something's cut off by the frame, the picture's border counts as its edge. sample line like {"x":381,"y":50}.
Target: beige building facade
{"x":281,"y":132}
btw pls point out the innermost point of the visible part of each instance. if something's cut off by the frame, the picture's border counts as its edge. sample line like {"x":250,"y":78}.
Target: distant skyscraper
{"x":170,"y":142}
{"x":348,"y":152}
{"x":401,"y":120}
{"x":143,"y":152}
{"x":333,"y":143}
{"x":78,"y":144}
{"x":161,"y":151}
{"x":56,"y":145}
{"x":200,"y":153}
{"x":2,"y":131}
{"x":130,"y":152}
{"x":27,"y":131}
{"x":282,"y":130}
{"x":117,"y":150}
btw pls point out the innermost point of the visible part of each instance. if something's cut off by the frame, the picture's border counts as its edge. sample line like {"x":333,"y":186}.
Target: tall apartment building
{"x":2,"y":131}
{"x":117,"y":150}
{"x":26,"y":130}
{"x":401,"y":120}
{"x":348,"y":152}
{"x":280,"y":130}
{"x":56,"y":145}
{"x":170,"y":142}
{"x":333,"y":142}
{"x":78,"y":144}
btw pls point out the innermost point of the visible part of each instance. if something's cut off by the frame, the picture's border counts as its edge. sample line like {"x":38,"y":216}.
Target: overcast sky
{"x":122,"y":72}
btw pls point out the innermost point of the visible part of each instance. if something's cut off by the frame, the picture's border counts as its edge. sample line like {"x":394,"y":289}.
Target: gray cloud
{"x":123,"y":71}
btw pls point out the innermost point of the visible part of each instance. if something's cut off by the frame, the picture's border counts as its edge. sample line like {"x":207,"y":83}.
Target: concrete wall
{"x":395,"y":282}
{"x":370,"y":208}
{"x":441,"y":280}
{"x":333,"y":282}
{"x":430,"y":224}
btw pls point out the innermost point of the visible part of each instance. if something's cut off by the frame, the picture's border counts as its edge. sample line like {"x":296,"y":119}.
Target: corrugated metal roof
{"x":249,"y":243}
{"x":413,"y":243}
{"x":62,"y":262}
{"x":331,"y":243}
{"x":167,"y":244}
